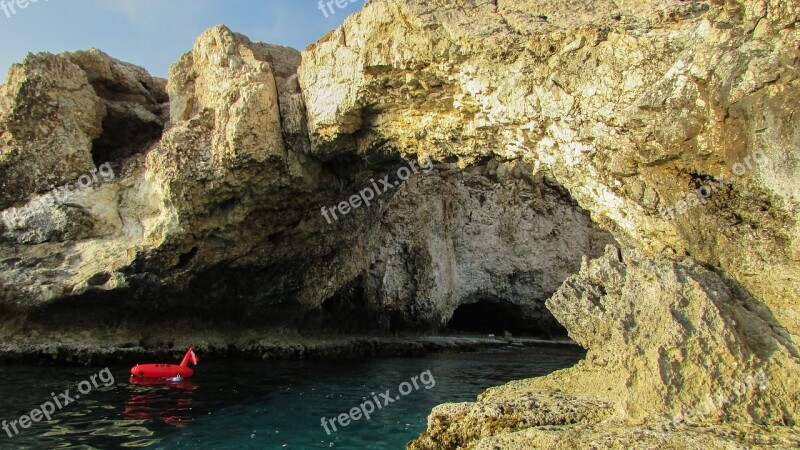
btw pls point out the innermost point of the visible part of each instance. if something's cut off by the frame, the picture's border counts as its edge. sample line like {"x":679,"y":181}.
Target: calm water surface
{"x":263,"y":404}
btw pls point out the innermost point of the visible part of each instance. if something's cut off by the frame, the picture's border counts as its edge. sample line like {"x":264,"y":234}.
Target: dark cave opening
{"x":123,"y":135}
{"x":347,"y":311}
{"x":186,"y":258}
{"x":500,"y":316}
{"x":133,"y":121}
{"x":487,"y":316}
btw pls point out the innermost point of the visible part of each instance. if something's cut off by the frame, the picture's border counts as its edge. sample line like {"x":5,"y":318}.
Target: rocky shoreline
{"x":263,"y":345}
{"x":563,"y":134}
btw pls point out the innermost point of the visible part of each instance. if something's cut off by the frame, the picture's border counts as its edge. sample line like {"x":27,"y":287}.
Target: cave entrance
{"x":487,"y":316}
{"x":124,"y":135}
{"x":498,"y":316}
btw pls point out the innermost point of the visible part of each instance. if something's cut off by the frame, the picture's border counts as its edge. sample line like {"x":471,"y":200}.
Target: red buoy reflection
{"x":156,"y":399}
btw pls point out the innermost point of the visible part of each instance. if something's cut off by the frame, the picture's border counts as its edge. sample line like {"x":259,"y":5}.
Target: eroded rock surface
{"x":220,"y":219}
{"x":671,"y":122}
{"x":64,"y":115}
{"x":673,"y":347}
{"x":670,"y":125}
{"x":632,"y":108}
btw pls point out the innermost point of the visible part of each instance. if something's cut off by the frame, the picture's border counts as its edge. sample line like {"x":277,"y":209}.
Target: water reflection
{"x":161,"y":400}
{"x":254,"y":404}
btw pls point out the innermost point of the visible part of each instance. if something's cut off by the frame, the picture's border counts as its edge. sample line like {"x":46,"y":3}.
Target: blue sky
{"x":154,"y":33}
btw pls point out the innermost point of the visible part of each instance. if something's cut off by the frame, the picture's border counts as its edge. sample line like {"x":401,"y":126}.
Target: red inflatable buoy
{"x":167,"y":370}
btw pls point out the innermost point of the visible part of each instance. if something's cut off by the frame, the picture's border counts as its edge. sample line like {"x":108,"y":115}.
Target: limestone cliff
{"x":673,"y":124}
{"x":216,"y":222}
{"x":631,"y":108}
{"x":664,"y":130}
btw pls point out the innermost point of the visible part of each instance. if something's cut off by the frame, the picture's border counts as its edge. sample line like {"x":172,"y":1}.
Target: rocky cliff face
{"x":554,"y":128}
{"x":673,"y":123}
{"x":216,"y":222}
{"x":679,"y":357}
{"x":631,"y":109}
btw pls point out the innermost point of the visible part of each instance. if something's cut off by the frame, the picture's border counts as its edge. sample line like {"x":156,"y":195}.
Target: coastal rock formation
{"x":61,"y":116}
{"x":534,"y":134}
{"x":671,"y":122}
{"x":60,"y":129}
{"x":217,"y":221}
{"x":675,"y":350}
{"x":632,"y":109}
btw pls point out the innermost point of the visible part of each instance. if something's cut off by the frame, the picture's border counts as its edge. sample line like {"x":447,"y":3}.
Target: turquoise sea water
{"x":260,"y":405}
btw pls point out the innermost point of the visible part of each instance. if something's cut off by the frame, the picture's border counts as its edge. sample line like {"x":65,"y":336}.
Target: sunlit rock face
{"x":62,"y":116}
{"x":553,"y":129}
{"x":678,"y":355}
{"x":631,"y":109}
{"x":68,"y":121}
{"x":672,"y":123}
{"x":220,"y":217}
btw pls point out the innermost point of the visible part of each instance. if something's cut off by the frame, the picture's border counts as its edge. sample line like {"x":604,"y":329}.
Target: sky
{"x":155,"y":33}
